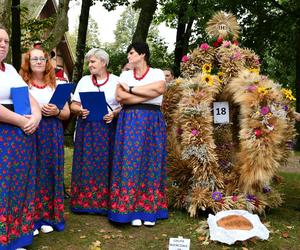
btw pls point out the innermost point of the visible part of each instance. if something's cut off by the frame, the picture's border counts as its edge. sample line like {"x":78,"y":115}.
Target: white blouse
{"x":109,"y":89}
{"x":9,"y":79}
{"x":154,"y":75}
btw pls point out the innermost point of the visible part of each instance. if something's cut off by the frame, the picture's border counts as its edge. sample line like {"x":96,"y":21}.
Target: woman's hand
{"x":50,"y":110}
{"x":83,"y":113}
{"x":31,"y":124}
{"x":108,"y":117}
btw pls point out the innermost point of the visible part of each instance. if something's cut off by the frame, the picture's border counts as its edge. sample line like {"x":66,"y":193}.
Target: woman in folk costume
{"x":138,"y":184}
{"x":17,"y":159}
{"x":39,"y":74}
{"x":94,"y":140}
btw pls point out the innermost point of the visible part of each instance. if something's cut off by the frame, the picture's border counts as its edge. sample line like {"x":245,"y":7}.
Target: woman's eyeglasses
{"x":38,"y":59}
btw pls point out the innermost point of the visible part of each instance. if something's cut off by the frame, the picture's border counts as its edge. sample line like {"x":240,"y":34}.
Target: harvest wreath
{"x":230,"y":165}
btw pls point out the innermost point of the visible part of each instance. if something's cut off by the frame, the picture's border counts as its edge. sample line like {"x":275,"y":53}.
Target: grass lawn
{"x":94,"y":232}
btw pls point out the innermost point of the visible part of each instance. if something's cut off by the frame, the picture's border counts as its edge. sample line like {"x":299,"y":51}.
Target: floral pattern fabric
{"x":17,"y":187}
{"x":49,"y":196}
{"x":138,"y":184}
{"x":92,"y":161}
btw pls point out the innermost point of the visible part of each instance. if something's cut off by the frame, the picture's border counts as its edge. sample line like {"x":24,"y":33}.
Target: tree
{"x":16,"y":34}
{"x":189,"y":18}
{"x":148,"y":8}
{"x":81,"y":39}
{"x":124,"y":33}
{"x":125,"y":28}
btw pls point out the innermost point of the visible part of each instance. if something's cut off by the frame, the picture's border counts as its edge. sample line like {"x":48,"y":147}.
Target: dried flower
{"x":252,"y":88}
{"x":206,"y":68}
{"x":195,"y":132}
{"x":220,"y":39}
{"x":250,"y":198}
{"x":226,"y":44}
{"x":204,"y":46}
{"x":208,"y":79}
{"x":254,"y":70}
{"x":234,"y":198}
{"x":288,"y":94}
{"x":185,"y":59}
{"x":265,"y":110}
{"x":266,"y":189}
{"x":262,"y":90}
{"x":217,"y":196}
{"x":236,"y":43}
{"x":257,"y":132}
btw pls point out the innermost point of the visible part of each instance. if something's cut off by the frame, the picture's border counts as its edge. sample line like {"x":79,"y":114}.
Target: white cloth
{"x":44,"y":95}
{"x":109,"y":89}
{"x":230,"y":236}
{"x":154,"y":75}
{"x":9,"y":79}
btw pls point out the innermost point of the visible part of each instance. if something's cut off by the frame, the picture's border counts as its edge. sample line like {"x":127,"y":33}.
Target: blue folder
{"x":95,"y":102}
{"x":62,"y":94}
{"x":20,"y":98}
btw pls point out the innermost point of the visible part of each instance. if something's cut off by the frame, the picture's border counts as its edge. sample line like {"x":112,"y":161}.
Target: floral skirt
{"x":92,"y":161}
{"x":17,"y":187}
{"x":138,"y":184}
{"x":49,"y":196}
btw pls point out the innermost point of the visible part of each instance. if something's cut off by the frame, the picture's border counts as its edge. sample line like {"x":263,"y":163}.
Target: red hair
{"x":49,"y":73}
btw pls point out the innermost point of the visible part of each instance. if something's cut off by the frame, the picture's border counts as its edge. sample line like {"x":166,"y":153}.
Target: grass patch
{"x":84,"y":230}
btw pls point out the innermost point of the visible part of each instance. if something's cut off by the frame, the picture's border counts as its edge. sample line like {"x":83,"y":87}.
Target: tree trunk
{"x":182,"y":37}
{"x":148,"y":8}
{"x":297,"y":86}
{"x":16,"y":34}
{"x":60,"y":26}
{"x":81,"y":40}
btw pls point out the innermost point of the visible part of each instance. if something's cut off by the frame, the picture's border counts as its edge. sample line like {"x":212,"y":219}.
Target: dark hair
{"x":141,"y":48}
{"x":171,"y":70}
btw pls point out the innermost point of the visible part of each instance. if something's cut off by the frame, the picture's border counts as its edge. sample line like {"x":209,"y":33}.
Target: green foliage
{"x":33,"y":29}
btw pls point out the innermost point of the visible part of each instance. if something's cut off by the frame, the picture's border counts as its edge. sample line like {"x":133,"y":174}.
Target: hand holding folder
{"x":21,"y":102}
{"x":62,"y":94}
{"x":95,"y":102}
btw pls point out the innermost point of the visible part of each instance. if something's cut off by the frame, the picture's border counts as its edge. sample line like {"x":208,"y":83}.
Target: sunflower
{"x":262,"y":90}
{"x":220,"y":76}
{"x":288,"y":94}
{"x":208,"y":79}
{"x":206,"y":68}
{"x":254,"y":70}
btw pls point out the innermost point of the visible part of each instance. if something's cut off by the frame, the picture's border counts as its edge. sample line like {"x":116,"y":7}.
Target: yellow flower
{"x":262,"y":90}
{"x":220,"y":76}
{"x":178,"y":81}
{"x":206,"y":68}
{"x":208,"y":79}
{"x":254,"y":70}
{"x":288,"y":94}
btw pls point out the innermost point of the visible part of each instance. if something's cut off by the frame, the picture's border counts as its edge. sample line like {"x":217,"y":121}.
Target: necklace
{"x":38,"y":86}
{"x":140,"y":78}
{"x":2,"y":67}
{"x":94,"y":80}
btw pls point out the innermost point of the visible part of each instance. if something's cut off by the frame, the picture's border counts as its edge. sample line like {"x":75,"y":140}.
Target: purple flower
{"x":217,"y":196}
{"x":250,"y":198}
{"x":285,"y":108}
{"x":204,"y":46}
{"x":195,"y":132}
{"x":252,"y":88}
{"x":265,"y":110}
{"x":266,"y":189}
